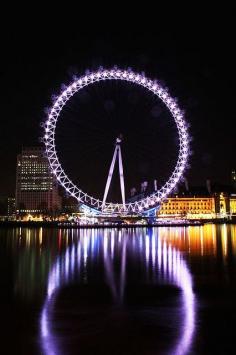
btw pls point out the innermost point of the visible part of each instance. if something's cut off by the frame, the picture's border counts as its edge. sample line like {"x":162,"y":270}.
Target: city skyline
{"x":196,"y":73}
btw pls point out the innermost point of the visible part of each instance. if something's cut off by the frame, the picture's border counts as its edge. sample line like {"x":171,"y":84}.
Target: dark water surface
{"x":142,"y":291}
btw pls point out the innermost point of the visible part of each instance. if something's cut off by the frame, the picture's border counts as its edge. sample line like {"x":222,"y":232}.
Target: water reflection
{"x":161,"y":259}
{"x":40,"y":262}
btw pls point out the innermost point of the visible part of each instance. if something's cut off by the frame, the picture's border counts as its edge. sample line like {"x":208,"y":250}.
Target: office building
{"x":36,"y":186}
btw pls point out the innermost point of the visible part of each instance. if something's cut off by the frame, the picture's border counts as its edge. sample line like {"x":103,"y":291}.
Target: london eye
{"x":155,"y":196}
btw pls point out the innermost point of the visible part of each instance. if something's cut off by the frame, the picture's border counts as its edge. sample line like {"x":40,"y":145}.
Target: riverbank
{"x":56,"y":224}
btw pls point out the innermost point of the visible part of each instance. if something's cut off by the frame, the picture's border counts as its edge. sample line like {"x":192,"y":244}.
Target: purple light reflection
{"x":166,"y":261}
{"x":183,"y":279}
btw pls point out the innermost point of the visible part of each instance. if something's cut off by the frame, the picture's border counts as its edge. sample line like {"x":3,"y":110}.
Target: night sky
{"x":196,"y":65}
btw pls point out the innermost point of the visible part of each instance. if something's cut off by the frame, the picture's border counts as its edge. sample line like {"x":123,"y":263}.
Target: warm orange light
{"x":189,"y":207}
{"x":196,"y":240}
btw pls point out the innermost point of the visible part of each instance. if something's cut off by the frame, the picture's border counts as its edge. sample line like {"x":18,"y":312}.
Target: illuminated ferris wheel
{"x":142,"y":205}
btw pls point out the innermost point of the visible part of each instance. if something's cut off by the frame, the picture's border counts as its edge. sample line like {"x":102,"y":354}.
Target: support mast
{"x":117,"y":154}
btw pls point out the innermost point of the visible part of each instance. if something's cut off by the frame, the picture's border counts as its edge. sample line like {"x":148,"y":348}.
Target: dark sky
{"x":197,"y":65}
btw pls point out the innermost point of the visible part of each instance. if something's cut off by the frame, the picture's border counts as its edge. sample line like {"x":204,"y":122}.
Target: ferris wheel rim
{"x":143,"y":204}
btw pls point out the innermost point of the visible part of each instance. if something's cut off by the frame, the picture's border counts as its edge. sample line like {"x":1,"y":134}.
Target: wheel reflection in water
{"x":151,"y":249}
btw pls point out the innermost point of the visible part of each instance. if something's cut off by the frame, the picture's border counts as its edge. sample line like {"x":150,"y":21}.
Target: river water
{"x":165,"y":290}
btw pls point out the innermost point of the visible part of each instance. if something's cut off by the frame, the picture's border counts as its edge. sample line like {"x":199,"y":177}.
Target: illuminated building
{"x":223,"y":205}
{"x":188,"y":207}
{"x":36,"y":187}
{"x":11,"y":206}
{"x":232,"y":203}
{"x":219,"y":205}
